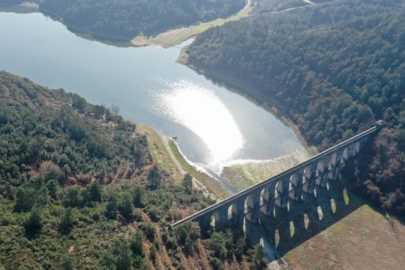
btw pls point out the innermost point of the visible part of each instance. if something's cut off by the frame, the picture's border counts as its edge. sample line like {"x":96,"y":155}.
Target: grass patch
{"x":355,"y":239}
{"x":159,"y":152}
{"x":242,"y":176}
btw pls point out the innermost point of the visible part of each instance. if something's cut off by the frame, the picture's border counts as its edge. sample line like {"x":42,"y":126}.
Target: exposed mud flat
{"x":243,"y":175}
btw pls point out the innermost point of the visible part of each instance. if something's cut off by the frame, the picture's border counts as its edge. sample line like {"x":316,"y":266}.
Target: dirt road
{"x":175,"y":161}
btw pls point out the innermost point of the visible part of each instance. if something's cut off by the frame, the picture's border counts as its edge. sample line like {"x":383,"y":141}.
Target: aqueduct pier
{"x":280,"y":189}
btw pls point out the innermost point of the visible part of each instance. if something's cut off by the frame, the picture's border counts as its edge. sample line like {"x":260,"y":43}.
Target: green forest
{"x":79,"y":190}
{"x":62,"y":137}
{"x":79,"y":187}
{"x":123,"y":19}
{"x":334,"y":69}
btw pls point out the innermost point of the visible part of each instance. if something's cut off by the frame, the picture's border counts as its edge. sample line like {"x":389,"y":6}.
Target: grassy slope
{"x":159,"y":153}
{"x":364,"y":239}
{"x":216,"y":187}
{"x":347,"y":233}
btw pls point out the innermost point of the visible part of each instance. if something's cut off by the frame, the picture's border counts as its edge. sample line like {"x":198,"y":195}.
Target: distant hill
{"x":123,"y":19}
{"x":333,"y":68}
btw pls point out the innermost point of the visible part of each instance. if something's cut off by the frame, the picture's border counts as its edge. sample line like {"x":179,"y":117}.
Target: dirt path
{"x":7,"y":91}
{"x":162,"y":250}
{"x":159,"y":260}
{"x":162,"y":255}
{"x":245,"y":263}
{"x":125,"y":174}
{"x":288,"y":9}
{"x":118,"y":171}
{"x":146,"y":247}
{"x":166,"y":144}
{"x":131,"y":227}
{"x":196,"y":183}
{"x":188,"y":264}
{"x":203,"y":254}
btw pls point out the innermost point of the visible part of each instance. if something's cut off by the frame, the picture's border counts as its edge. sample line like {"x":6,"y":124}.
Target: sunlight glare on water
{"x":200,"y":110}
{"x":215,"y":127}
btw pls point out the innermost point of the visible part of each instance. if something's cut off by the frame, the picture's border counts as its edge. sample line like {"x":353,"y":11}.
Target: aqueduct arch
{"x":280,"y":189}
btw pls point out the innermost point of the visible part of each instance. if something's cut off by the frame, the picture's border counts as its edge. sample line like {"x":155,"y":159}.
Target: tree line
{"x":333,"y":69}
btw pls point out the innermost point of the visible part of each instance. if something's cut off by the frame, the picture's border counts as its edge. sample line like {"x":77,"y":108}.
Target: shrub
{"x":136,"y":244}
{"x":153,"y":213}
{"x":35,"y":219}
{"x":152,"y":253}
{"x":148,"y":229}
{"x":68,"y":219}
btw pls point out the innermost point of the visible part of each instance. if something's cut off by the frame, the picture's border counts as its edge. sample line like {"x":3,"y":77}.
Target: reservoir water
{"x":214,"y":126}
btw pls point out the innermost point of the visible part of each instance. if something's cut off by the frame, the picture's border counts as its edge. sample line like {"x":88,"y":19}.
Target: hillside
{"x":122,"y":20}
{"x":62,"y":137}
{"x":79,"y":189}
{"x":333,"y":68}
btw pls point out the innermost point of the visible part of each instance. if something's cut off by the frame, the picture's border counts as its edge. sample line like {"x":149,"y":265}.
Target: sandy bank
{"x":244,"y":175}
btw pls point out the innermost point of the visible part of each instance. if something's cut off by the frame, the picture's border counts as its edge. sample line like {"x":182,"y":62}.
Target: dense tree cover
{"x":123,"y":19}
{"x":333,"y":69}
{"x":48,"y":222}
{"x":327,"y":12}
{"x":94,"y":235}
{"x":60,"y":136}
{"x":154,"y":177}
{"x":187,"y":182}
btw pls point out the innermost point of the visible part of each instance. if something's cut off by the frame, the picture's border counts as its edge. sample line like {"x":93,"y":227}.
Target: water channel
{"x":214,"y":125}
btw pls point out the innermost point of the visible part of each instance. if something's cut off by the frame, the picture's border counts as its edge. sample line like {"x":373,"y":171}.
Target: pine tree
{"x":112,"y":208}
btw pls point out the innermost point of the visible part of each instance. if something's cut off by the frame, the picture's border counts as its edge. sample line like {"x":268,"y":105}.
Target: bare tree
{"x":115,"y":109}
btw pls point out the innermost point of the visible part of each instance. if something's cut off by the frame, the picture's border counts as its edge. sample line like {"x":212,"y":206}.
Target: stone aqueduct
{"x":279,"y":190}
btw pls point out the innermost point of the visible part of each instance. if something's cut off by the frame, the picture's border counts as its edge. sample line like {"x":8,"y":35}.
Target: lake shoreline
{"x":163,"y":149}
{"x":137,"y":90}
{"x":244,"y":175}
{"x":165,"y":39}
{"x":250,"y":93}
{"x":176,"y":36}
